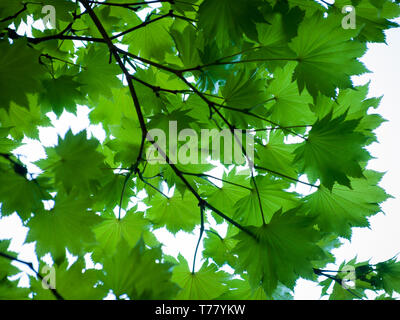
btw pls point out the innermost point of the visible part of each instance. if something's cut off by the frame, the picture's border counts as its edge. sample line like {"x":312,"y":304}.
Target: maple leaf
{"x":273,"y":197}
{"x":205,"y":284}
{"x":98,"y":76}
{"x":341,"y":208}
{"x":74,"y":162}
{"x":227,"y":20}
{"x":332,"y":152}
{"x":66,"y":277}
{"x":67,"y":225}
{"x":282,"y":250}
{"x":61,"y":93}
{"x":138,"y":273}
{"x":326,"y":56}
{"x":176,"y":213}
{"x":14,"y":187}
{"x":20,"y":73}
{"x":132,"y":227}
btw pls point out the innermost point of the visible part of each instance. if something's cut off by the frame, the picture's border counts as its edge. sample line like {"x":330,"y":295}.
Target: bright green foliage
{"x":325,"y":55}
{"x":273,"y":197}
{"x":277,"y":155}
{"x":205,"y":284}
{"x":61,"y":93}
{"x":389,"y":275}
{"x":332,"y":151}
{"x":52,"y":229}
{"x":282,"y":249}
{"x":177,"y":213}
{"x":282,"y":70}
{"x":130,"y":228}
{"x":69,"y":161}
{"x":341,"y":208}
{"x":138,"y":273}
{"x":20,"y":73}
{"x":227,"y":20}
{"x":67,"y":277}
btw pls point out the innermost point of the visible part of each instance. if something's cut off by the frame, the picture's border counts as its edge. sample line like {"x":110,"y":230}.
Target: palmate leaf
{"x":61,"y":93}
{"x":276,"y":155}
{"x":326,"y":55}
{"x":244,"y":90}
{"x":341,"y":208}
{"x":153,"y":41}
{"x":333,"y":151}
{"x":138,"y":273}
{"x":273,"y":197}
{"x":67,"y":225}
{"x":374,"y":21}
{"x":205,"y":284}
{"x":176,"y":213}
{"x":389,"y":275}
{"x":66,"y":278}
{"x":25,"y":120}
{"x":282,"y":251}
{"x":227,"y":20}
{"x":20,"y":73}
{"x":98,"y":76}
{"x":74,"y":162}
{"x":131,"y":228}
{"x":287,"y":106}
{"x":14,"y":188}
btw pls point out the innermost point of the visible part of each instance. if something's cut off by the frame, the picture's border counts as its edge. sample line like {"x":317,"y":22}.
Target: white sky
{"x":379,"y":243}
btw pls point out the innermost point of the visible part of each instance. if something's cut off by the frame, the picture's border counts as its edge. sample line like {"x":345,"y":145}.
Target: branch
{"x":30,"y":265}
{"x":114,"y":50}
{"x":285,"y":176}
{"x":16,"y":14}
{"x":201,"y":205}
{"x":201,"y":175}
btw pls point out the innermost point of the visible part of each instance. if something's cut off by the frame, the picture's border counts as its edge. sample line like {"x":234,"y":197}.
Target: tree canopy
{"x":276,"y":72}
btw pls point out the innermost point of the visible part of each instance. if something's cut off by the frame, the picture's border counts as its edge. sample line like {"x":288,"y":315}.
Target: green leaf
{"x":205,"y":284}
{"x":154,"y":41}
{"x":282,"y":250}
{"x":176,"y":213}
{"x":273,"y":197}
{"x":288,"y":107}
{"x":340,"y":209}
{"x":24,"y":121}
{"x":277,"y":155}
{"x":61,"y":93}
{"x":20,"y":73}
{"x":74,"y":162}
{"x":244,"y":90}
{"x":332,"y":152}
{"x":132,"y":227}
{"x":219,"y":249}
{"x":139,"y":273}
{"x":389,"y":273}
{"x":226,"y":20}
{"x":98,"y":76}
{"x":326,"y":55}
{"x":19,"y":194}
{"x":374,"y":21}
{"x":65,"y":279}
{"x":67,"y":225}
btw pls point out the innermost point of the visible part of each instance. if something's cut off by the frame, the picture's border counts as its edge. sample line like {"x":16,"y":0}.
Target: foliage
{"x":280,"y":69}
